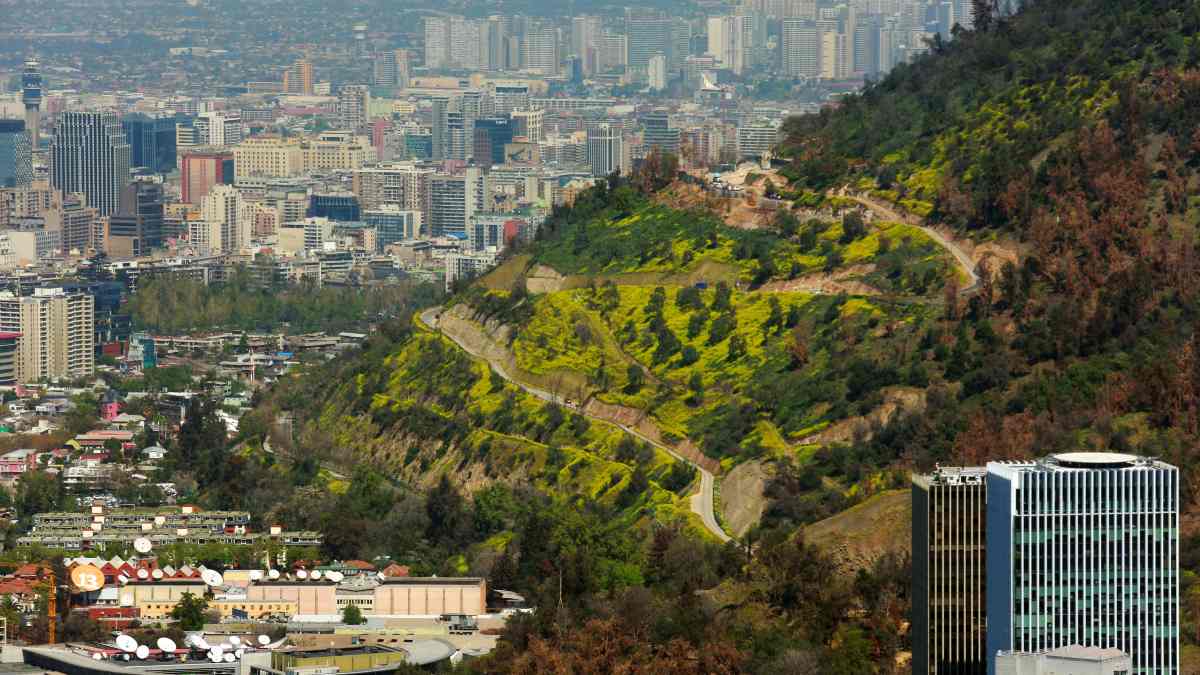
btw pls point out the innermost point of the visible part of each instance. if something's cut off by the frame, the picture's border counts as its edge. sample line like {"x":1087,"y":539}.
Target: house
{"x":394,"y":570}
{"x":154,"y":452}
{"x":110,"y":406}
{"x":22,"y":592}
{"x":17,"y":462}
{"x":54,"y":406}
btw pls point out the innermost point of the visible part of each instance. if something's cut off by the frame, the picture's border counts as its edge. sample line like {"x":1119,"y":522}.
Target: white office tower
{"x":726,"y":42}
{"x":539,"y":50}
{"x":218,"y":127}
{"x":656,"y":72}
{"x":606,"y":149}
{"x":353,"y":106}
{"x":1083,"y":549}
{"x":585,"y":41}
{"x":222,"y":209}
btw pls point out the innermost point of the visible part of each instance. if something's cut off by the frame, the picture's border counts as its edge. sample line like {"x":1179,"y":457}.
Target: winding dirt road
{"x":702,"y":503}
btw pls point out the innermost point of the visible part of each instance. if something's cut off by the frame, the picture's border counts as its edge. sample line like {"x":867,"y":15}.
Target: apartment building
{"x":57,"y":330}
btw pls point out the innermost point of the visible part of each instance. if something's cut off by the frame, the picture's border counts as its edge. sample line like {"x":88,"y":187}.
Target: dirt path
{"x":886,"y":211}
{"x":701,"y":502}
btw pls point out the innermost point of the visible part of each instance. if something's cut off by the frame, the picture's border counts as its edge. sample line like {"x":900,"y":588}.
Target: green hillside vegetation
{"x":623,"y":235}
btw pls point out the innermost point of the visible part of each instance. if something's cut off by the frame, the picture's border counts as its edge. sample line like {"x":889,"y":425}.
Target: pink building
{"x":17,"y":462}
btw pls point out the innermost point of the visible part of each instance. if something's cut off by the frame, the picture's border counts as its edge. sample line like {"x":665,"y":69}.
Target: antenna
{"x":273,"y":573}
{"x":301,"y":574}
{"x":230,"y":658}
{"x":316,"y":574}
{"x":264,"y":640}
{"x":97,"y":656}
{"x":334,"y":576}
{"x":142,"y":545}
{"x":166,"y":644}
{"x":126,"y":643}
{"x":143,"y":574}
{"x":235,"y":640}
{"x":255,"y":575}
{"x":157,"y":574}
{"x":142,"y":652}
{"x":211,"y":577}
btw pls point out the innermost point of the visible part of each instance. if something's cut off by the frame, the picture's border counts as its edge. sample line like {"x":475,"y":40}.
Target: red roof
{"x":395,"y":570}
{"x":16,"y":586}
{"x":360,"y":564}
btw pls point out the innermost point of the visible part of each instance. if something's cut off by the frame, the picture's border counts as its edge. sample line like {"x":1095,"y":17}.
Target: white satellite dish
{"x":214,"y":656}
{"x":235,"y":640}
{"x":157,"y":574}
{"x":143,"y":573}
{"x":274,"y":574}
{"x":230,"y":658}
{"x":122,"y":579}
{"x":142,"y":652}
{"x":198,"y":641}
{"x":142,"y":545}
{"x":97,"y":656}
{"x":166,"y":644}
{"x":316,"y":574}
{"x":211,"y":577}
{"x":255,"y":575}
{"x":334,"y":576}
{"x":264,"y":640}
{"x":215,"y":652}
{"x":126,"y":643}
{"x":240,"y":653}
{"x":301,"y":574}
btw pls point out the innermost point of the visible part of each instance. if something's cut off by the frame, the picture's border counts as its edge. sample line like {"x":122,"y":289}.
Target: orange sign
{"x":87,"y":578}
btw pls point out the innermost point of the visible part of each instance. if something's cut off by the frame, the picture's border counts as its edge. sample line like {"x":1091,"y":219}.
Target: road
{"x":701,"y":503}
{"x":960,"y":256}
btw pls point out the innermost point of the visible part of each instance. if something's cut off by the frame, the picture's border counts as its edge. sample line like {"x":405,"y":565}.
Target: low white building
{"x":1071,"y":660}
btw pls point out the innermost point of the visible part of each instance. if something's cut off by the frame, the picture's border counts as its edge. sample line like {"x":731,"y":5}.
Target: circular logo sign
{"x":87,"y":578}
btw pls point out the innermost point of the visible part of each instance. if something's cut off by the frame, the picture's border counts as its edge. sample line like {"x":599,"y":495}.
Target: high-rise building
{"x":89,"y":155}
{"x":656,"y":72}
{"x":658,"y":132}
{"x":218,"y":127}
{"x":151,"y":141}
{"x":491,"y":135}
{"x":75,"y":221}
{"x":509,"y":96}
{"x":222,"y":209}
{"x":681,"y":44}
{"x":949,"y":627}
{"x":757,"y":138}
{"x":613,"y":52}
{"x":585,"y":40}
{"x":391,"y":68}
{"x":497,"y":37}
{"x":1083,"y":549}
{"x":353,"y":107}
{"x":437,"y":42}
{"x":137,"y":227}
{"x":393,"y":224}
{"x":647,"y":32}
{"x":606,"y":149}
{"x":727,"y":42}
{"x":57,"y":330}
{"x":402,"y":184}
{"x":31,"y":96}
{"x":539,"y":50}
{"x":800,"y":47}
{"x":200,"y":171}
{"x":529,"y":124}
{"x":16,"y":154}
{"x":453,"y":199}
{"x":835,"y":55}
{"x":298,"y":78}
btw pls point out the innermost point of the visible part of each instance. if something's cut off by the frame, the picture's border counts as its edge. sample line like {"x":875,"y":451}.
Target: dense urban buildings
{"x":16,"y":154}
{"x":57,"y":333}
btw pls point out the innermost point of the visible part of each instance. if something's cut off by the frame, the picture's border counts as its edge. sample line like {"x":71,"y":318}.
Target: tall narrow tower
{"x":31,"y":96}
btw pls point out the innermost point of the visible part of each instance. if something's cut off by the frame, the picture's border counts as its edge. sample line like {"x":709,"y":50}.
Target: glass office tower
{"x":1083,"y":549}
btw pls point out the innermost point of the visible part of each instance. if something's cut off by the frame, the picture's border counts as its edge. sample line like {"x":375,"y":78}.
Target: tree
{"x":352,"y":615}
{"x":189,"y":612}
{"x":635,"y":379}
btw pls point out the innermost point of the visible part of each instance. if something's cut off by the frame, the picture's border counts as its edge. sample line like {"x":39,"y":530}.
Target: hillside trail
{"x":701,"y":503}
{"x":882,"y":209}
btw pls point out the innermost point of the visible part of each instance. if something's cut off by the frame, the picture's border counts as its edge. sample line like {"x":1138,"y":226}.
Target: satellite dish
{"x":235,"y":640}
{"x":198,"y":641}
{"x":142,"y":545}
{"x":240,"y":653}
{"x":264,"y":640}
{"x":166,"y":644}
{"x":157,"y":574}
{"x":255,"y":575}
{"x":126,"y":643}
{"x":87,"y":578}
{"x":230,"y":658}
{"x":211,"y":577}
{"x":97,"y":656}
{"x":143,"y":573}
{"x":215,"y":652}
{"x":301,"y":574}
{"x":122,"y":579}
{"x":316,"y":574}
{"x":142,"y":652}
{"x":334,"y":576}
{"x":274,"y":574}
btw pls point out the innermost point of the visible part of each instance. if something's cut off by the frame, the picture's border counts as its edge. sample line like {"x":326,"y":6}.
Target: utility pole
{"x":52,"y":610}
